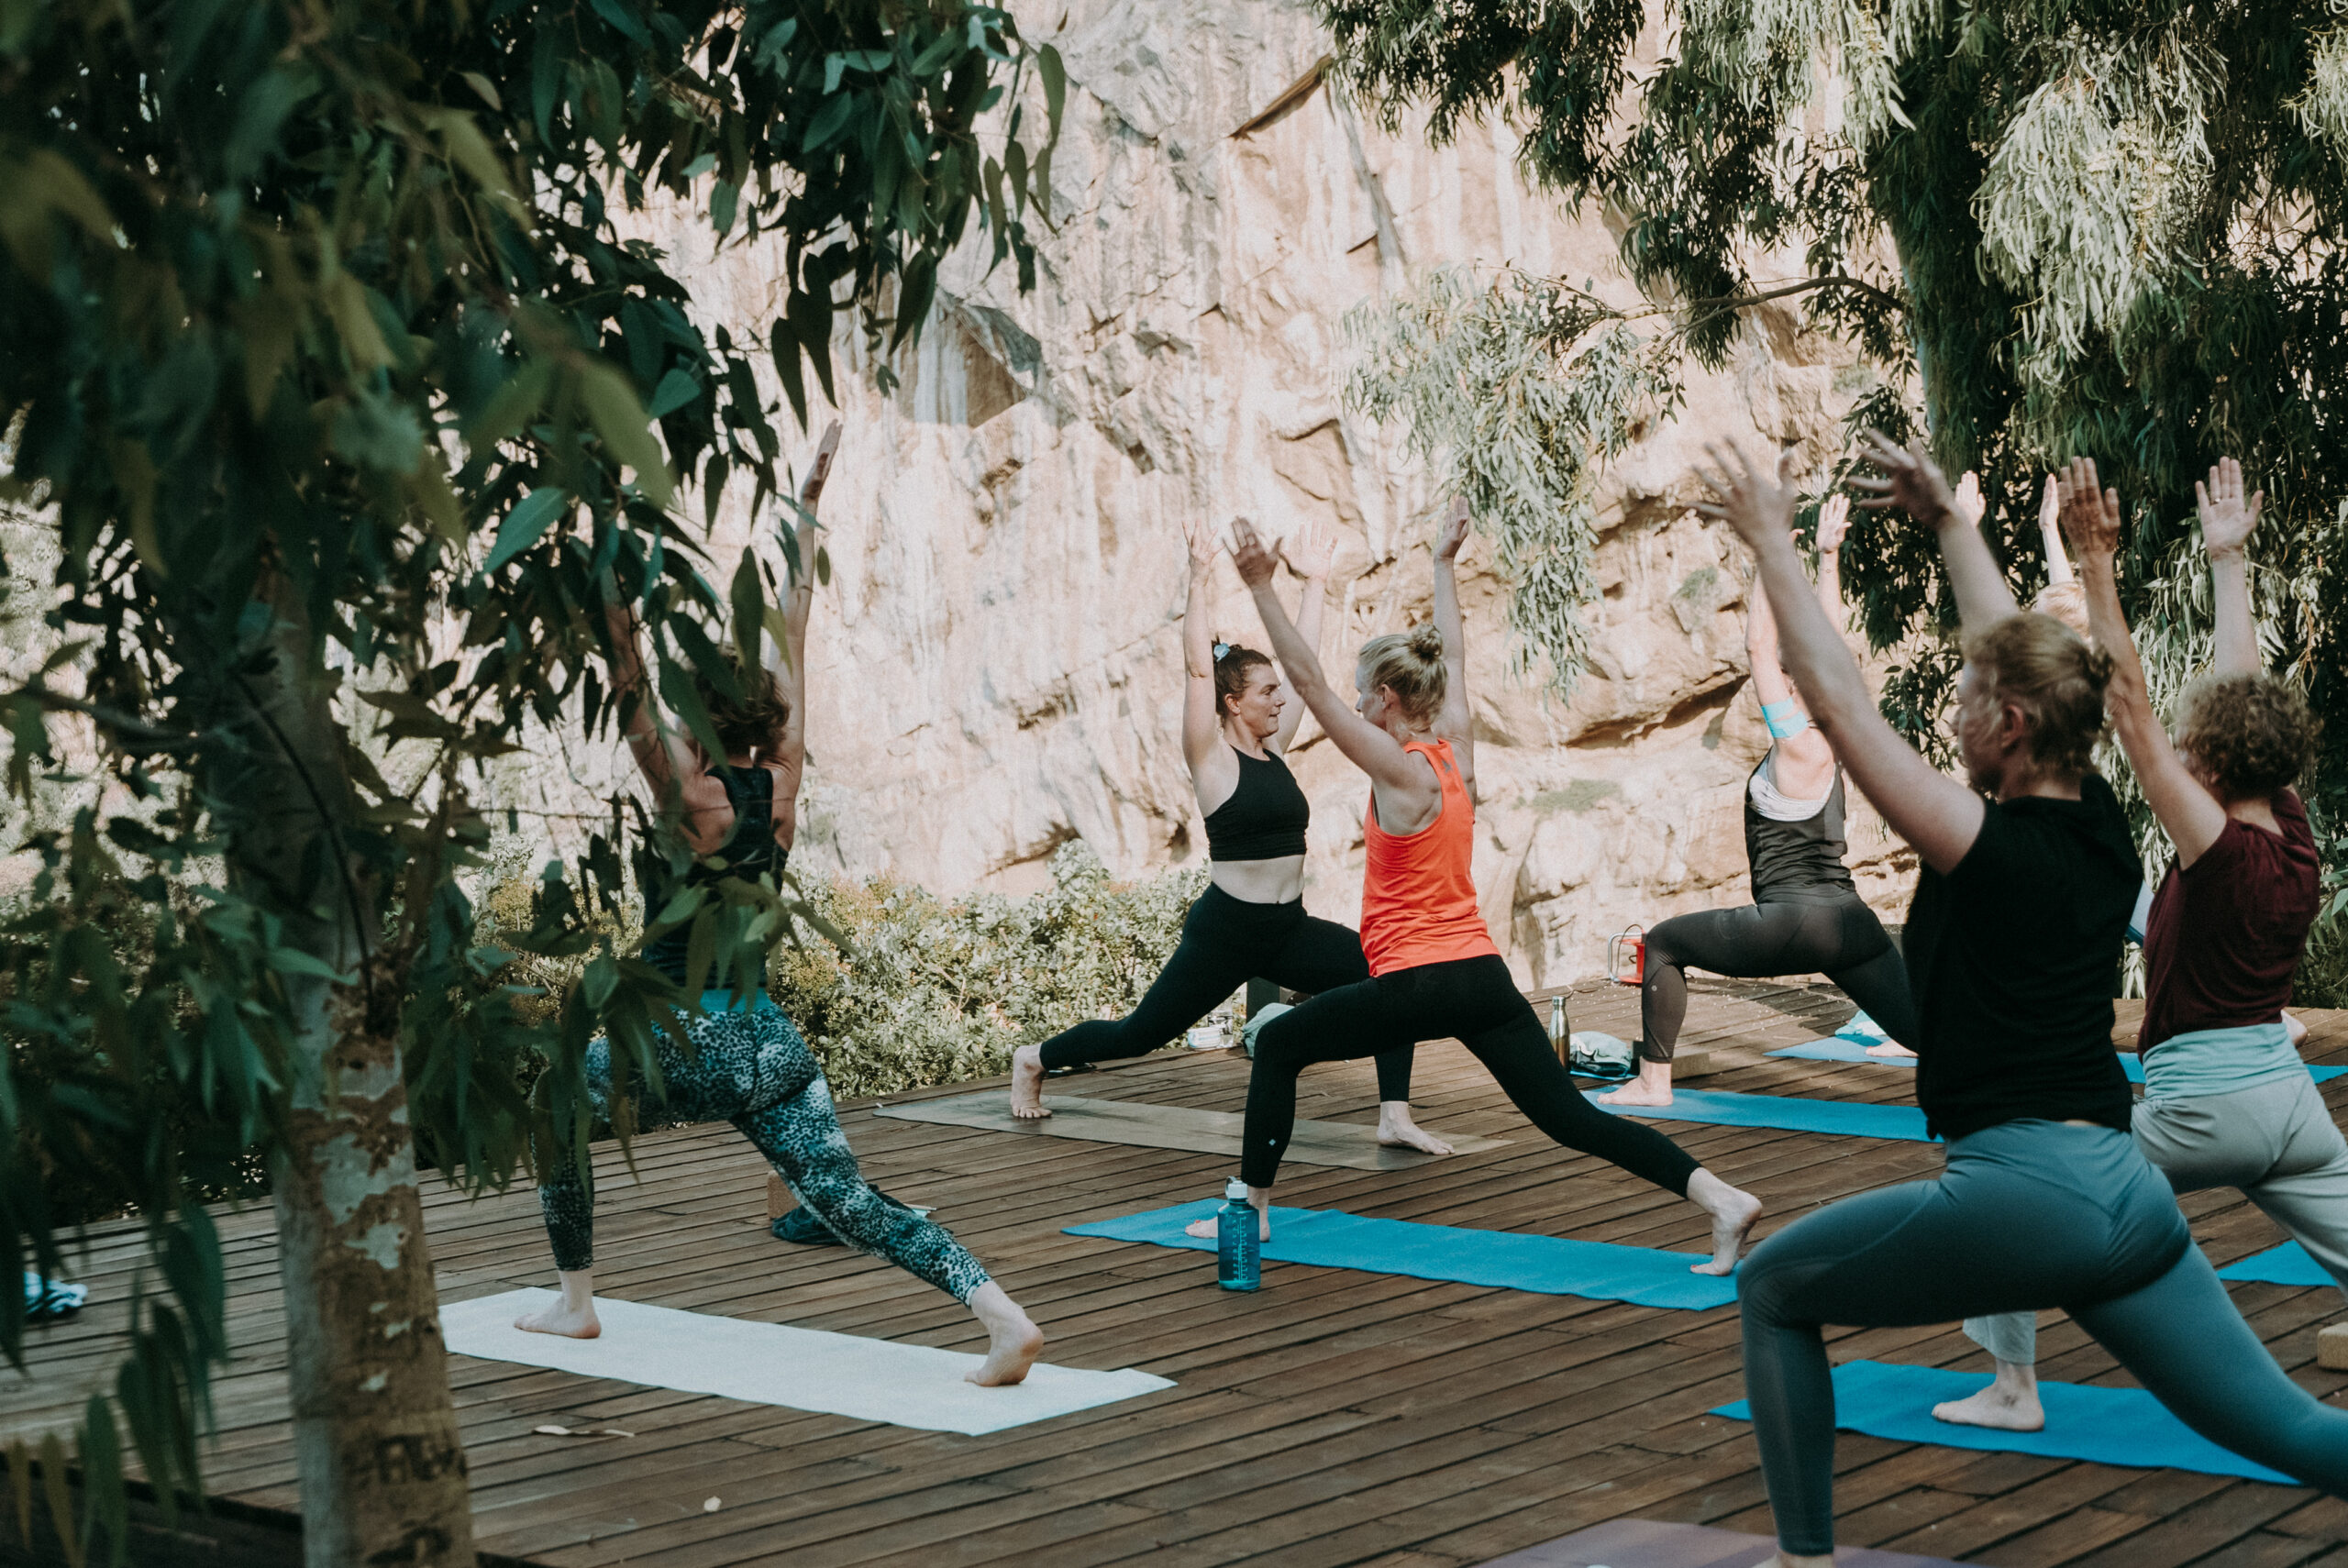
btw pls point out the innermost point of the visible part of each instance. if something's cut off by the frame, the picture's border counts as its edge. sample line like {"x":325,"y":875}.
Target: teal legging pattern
{"x":748,"y":1066}
{"x":2104,"y":1241}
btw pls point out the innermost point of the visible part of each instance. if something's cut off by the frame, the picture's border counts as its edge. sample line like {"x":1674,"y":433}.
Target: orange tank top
{"x":1418,"y":898}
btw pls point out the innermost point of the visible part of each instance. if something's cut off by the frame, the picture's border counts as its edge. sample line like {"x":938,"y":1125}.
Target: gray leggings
{"x":749,"y":1066}
{"x":2105,"y":1243}
{"x":2274,"y":1141}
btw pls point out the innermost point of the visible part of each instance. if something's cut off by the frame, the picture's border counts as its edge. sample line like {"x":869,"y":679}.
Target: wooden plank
{"x":1149,"y":1125}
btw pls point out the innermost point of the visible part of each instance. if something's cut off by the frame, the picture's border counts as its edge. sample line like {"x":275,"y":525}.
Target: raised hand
{"x":1966,"y":500}
{"x":2050,"y":507}
{"x":1205,"y":543}
{"x":1452,"y":533}
{"x":2090,"y":515}
{"x":1251,"y":554}
{"x":1754,"y":501}
{"x":1911,"y":481}
{"x":1310,"y":550}
{"x":811,"y":490}
{"x":1834,"y":522}
{"x":2227,"y":520}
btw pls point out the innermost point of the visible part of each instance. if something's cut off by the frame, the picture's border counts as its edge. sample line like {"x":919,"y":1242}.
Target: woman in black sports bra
{"x":741,"y":1059}
{"x":1236,"y":724}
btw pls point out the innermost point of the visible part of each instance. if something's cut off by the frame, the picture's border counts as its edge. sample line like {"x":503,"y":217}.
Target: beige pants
{"x":2274,"y":1141}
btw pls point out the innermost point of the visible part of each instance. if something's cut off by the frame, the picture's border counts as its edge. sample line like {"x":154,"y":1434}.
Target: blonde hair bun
{"x":1409,"y":664}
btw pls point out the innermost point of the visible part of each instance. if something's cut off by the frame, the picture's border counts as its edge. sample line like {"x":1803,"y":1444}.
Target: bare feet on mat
{"x":1013,"y":1341}
{"x":1027,"y":1083}
{"x":1652,"y":1086}
{"x":1890,"y":1048}
{"x":1397,"y":1130}
{"x":1784,"y":1559}
{"x":1734,"y":1213}
{"x":571,"y":1315}
{"x":1206,"y":1230}
{"x":2008,"y":1405}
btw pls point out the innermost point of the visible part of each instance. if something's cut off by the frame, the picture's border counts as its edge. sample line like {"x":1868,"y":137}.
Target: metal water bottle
{"x":1238,"y":1239}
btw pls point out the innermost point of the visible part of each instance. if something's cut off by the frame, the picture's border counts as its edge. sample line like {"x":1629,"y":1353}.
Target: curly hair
{"x":756,"y":721}
{"x":2045,"y":668}
{"x":1231,"y":668}
{"x":1410,"y":664}
{"x":2252,"y":734}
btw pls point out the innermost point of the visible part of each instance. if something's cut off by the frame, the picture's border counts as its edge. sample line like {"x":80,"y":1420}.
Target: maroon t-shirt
{"x":2226,"y":932}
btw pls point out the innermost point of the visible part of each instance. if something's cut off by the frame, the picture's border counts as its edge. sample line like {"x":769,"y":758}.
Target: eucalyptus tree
{"x":326,"y":351}
{"x":2114,"y":230}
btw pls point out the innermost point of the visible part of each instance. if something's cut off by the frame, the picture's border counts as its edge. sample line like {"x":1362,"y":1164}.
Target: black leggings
{"x":1227,"y":941}
{"x":2030,"y":1214}
{"x":1475,"y":1000}
{"x":1837,"y":936}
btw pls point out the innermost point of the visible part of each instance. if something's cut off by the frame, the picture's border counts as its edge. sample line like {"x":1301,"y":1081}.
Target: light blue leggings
{"x":2029,"y":1214}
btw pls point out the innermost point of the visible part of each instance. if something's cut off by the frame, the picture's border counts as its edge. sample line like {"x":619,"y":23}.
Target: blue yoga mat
{"x":1840,"y":1050}
{"x":2110,"y":1426}
{"x":1851,"y":1121}
{"x":2286,"y":1265}
{"x":1545,"y":1265}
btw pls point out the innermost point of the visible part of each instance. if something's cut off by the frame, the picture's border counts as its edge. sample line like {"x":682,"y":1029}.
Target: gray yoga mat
{"x":1141,"y":1125}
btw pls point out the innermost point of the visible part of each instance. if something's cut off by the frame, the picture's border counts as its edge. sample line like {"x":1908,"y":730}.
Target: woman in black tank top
{"x":1236,"y":724}
{"x":1805,"y":915}
{"x":737,"y":1058}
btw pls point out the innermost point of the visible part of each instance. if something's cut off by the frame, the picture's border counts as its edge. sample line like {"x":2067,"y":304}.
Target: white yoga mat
{"x":770,"y":1364}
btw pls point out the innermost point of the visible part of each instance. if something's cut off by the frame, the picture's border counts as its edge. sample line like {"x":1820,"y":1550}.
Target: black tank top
{"x":1264,"y":818}
{"x":1797,"y":857}
{"x":750,"y":852}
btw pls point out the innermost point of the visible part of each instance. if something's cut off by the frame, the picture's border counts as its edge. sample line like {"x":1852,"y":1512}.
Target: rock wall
{"x":995,"y":668}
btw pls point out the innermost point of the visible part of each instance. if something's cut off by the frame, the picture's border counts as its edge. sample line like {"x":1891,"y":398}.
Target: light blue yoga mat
{"x":2286,"y":1265}
{"x":1849,"y":1120}
{"x":1546,"y":1266}
{"x":1840,"y":1050}
{"x":2110,"y":1426}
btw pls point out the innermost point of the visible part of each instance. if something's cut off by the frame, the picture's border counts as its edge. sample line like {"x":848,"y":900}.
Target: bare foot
{"x":1784,"y":1559}
{"x":1027,"y":1083}
{"x":1209,"y":1229}
{"x":1652,"y":1086}
{"x":1397,"y":1130}
{"x":572,"y":1322}
{"x":1734,"y":1213}
{"x":1890,"y":1048}
{"x":1013,"y":1341}
{"x":2008,"y":1405}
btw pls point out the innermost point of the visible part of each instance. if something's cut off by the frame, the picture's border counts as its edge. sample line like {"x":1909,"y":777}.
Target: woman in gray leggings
{"x":2029,"y":878}
{"x":2227,"y":1102}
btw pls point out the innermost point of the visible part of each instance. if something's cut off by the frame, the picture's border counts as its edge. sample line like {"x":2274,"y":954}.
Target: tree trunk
{"x":383,"y":1471}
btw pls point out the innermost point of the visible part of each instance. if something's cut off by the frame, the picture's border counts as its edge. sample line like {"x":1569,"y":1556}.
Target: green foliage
{"x":1518,"y":390}
{"x":324,"y":353}
{"x":2115,"y":231}
{"x":934,"y":991}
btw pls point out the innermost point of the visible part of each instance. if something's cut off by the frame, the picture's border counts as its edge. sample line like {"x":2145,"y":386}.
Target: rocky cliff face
{"x":995,"y":668}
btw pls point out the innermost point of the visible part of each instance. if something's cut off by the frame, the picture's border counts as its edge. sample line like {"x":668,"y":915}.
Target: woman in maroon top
{"x":2227,"y":1102}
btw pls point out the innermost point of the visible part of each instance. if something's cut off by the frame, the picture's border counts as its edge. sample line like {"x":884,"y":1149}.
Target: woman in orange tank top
{"x":1434,"y":970}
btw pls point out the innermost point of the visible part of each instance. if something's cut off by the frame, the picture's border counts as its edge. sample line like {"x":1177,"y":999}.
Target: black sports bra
{"x":1264,"y":818}
{"x":748,"y":852}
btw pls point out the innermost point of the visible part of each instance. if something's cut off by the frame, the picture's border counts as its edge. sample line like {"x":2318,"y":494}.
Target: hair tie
{"x":1221,"y":649}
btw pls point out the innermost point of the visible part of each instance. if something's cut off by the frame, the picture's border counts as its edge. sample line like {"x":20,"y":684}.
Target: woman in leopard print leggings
{"x":740,"y":1060}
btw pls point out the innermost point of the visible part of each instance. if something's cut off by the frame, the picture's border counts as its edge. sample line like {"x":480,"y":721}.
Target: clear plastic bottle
{"x":1239,"y":1247}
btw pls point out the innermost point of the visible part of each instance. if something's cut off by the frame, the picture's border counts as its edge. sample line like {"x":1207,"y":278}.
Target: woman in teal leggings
{"x":2029,"y":880}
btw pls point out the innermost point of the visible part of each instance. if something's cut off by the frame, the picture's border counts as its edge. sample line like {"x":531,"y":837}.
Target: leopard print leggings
{"x":751,"y":1067}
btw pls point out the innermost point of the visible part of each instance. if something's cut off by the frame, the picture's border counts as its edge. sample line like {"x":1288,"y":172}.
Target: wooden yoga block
{"x":2331,"y":1347}
{"x":778,"y":1200}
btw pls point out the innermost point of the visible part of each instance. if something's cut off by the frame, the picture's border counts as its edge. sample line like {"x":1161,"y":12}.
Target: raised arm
{"x":1933,"y":812}
{"x":1201,"y":723}
{"x":2192,"y":817}
{"x":1368,"y":747}
{"x":789,"y":748}
{"x":1834,"y":522}
{"x":1915,"y":483}
{"x":1454,"y":721}
{"x":2227,"y":522}
{"x":666,"y":759}
{"x":2050,"y":534}
{"x":1805,"y":767}
{"x":1309,"y":552}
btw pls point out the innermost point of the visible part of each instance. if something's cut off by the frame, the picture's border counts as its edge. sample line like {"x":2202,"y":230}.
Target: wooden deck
{"x":1336,"y":1418}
